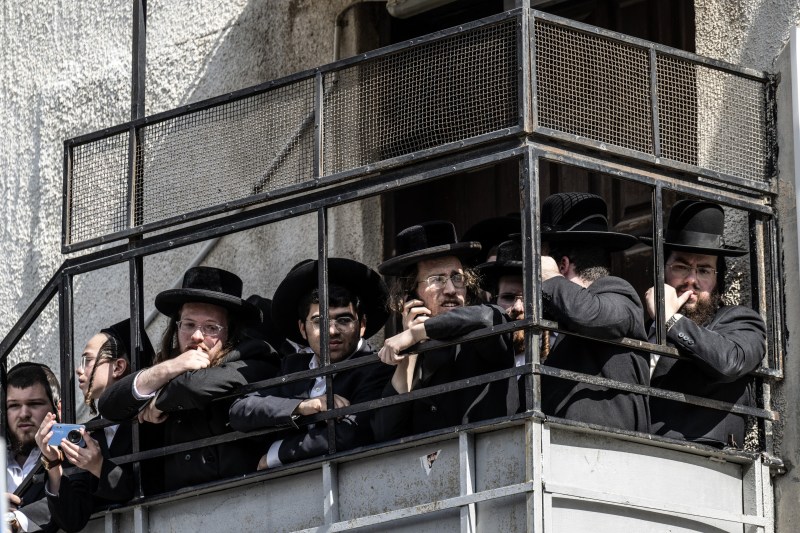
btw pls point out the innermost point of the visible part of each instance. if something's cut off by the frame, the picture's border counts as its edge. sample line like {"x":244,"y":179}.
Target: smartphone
{"x":71,"y":432}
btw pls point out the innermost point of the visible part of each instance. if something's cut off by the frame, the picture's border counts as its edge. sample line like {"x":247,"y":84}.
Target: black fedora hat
{"x":580,"y":217}
{"x":507,"y":263}
{"x":697,"y":227}
{"x":490,"y":232}
{"x":356,"y":277}
{"x":121,"y":332}
{"x":428,"y":240}
{"x":209,"y":285}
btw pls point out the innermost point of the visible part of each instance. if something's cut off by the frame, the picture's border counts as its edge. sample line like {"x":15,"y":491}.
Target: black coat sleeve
{"x":608,"y":309}
{"x":262,"y":409}
{"x":358,"y":386}
{"x":118,"y":402}
{"x":69,"y":510}
{"x":255,"y":361}
{"x":732,"y":346}
{"x":463,"y":320}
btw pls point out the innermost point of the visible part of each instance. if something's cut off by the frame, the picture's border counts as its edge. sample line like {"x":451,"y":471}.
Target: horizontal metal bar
{"x":287,"y":209}
{"x":756,"y":75}
{"x":427,"y":508}
{"x":658,"y":393}
{"x":765,"y":187}
{"x":661,"y":506}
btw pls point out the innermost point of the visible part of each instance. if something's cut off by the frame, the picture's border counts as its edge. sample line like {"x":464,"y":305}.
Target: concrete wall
{"x":754,"y":34}
{"x":66,"y":71}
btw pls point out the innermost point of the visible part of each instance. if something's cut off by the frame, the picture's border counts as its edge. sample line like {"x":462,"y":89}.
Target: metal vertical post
{"x":65,"y":310}
{"x":658,"y":262}
{"x":656,"y":124}
{"x":524,"y":83}
{"x":324,"y":317}
{"x":330,"y":485}
{"x":136,"y":265}
{"x":531,"y":261}
{"x":466,"y":464}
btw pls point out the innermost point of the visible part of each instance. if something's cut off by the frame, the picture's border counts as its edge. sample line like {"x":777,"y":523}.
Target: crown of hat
{"x":425,"y":235}
{"x":574,"y":211}
{"x":696,"y":216}
{"x":509,"y":251}
{"x":213,"y":279}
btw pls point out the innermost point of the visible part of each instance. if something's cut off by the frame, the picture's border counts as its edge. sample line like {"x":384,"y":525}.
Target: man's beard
{"x":704,"y":310}
{"x":22,"y":446}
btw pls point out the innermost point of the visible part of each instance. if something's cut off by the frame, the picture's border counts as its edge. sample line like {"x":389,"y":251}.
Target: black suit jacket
{"x":721,"y":355}
{"x":35,"y":504}
{"x":453,"y":363}
{"x":610,"y":309}
{"x":188,"y":400}
{"x":274,"y":407}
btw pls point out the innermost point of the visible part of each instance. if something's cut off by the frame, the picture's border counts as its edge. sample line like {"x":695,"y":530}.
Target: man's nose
{"x":198,"y":335}
{"x":449,"y":286}
{"x":519,"y":307}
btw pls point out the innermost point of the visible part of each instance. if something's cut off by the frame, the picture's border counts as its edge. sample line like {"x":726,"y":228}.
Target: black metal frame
{"x":526,"y":50}
{"x":527,"y":143}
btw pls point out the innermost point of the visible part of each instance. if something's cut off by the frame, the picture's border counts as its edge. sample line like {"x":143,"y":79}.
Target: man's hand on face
{"x":414,"y":312}
{"x":152,"y":414}
{"x":549,"y":268}
{"x":672,"y":302}
{"x":43,"y":435}
{"x":318,"y":404}
{"x":192,"y":359}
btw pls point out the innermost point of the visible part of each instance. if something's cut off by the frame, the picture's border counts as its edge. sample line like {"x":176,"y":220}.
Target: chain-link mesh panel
{"x":227,"y":152}
{"x":591,"y":86}
{"x":98,"y":188}
{"x":714,"y":119}
{"x":440,"y":92}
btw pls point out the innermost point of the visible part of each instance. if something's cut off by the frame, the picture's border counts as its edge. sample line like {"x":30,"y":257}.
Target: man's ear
{"x":563,"y":265}
{"x":119,"y":367}
{"x":302,"y":325}
{"x":362,"y":325}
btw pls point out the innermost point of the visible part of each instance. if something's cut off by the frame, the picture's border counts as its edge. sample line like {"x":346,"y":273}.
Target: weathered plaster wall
{"x":66,"y":71}
{"x":753,"y":34}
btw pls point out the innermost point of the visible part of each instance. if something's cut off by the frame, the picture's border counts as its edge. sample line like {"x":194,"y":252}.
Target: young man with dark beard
{"x":721,"y":344}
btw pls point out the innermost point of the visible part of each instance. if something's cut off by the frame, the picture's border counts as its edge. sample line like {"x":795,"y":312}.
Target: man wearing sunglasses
{"x":437,"y":298}
{"x":356,"y":311}
{"x":721,"y":344}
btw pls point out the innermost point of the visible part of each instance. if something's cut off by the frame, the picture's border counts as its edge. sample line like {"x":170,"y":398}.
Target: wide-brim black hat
{"x":121,"y":331}
{"x":578,"y":217}
{"x":356,"y":277}
{"x":209,"y":285}
{"x":507,"y":263}
{"x":428,"y":240}
{"x":491,"y":232}
{"x":697,"y":227}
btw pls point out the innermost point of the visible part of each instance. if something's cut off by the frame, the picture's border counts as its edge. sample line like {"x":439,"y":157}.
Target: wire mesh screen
{"x":439,"y":92}
{"x":590,"y":86}
{"x":226,"y":153}
{"x":714,"y":119}
{"x":98,"y":188}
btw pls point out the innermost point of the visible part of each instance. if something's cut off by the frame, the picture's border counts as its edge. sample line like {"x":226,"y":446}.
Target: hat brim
{"x":356,"y":277}
{"x":170,"y":301}
{"x":610,"y":240}
{"x":397,"y":265}
{"x":727,"y":251}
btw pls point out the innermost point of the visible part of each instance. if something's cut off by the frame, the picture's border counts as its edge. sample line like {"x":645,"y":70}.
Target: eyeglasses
{"x":190,"y":326}
{"x":683,"y":271}
{"x":87,"y":361}
{"x":342,"y":323}
{"x":440,"y":280}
